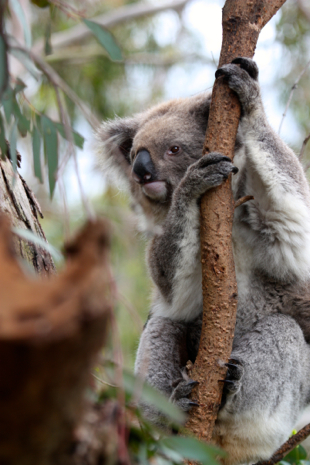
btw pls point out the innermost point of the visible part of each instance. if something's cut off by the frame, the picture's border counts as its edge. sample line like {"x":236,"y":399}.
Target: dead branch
{"x":287,"y":446}
{"x":80,"y":32}
{"x":242,"y":23}
{"x":50,"y":334}
{"x":293,"y":88}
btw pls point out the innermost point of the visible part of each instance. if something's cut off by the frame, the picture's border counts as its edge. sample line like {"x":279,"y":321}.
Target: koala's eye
{"x":174,"y":150}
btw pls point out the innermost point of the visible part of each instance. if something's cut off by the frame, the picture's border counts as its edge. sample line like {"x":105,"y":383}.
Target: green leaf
{"x":23,"y":123}
{"x":106,"y":39}
{"x":192,"y":449}
{"x":40,"y":3}
{"x":3,"y":65}
{"x":47,"y":38}
{"x":297,"y":454}
{"x":3,"y":145}
{"x":20,"y":85}
{"x":152,"y":396}
{"x":77,"y":138}
{"x":24,"y":58}
{"x":23,"y":21}
{"x":36,"y":146}
{"x":13,"y":140}
{"x":7,"y":102}
{"x":37,"y":240}
{"x":50,"y":150}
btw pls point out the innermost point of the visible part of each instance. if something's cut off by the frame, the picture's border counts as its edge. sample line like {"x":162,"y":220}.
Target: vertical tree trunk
{"x":242,"y":23}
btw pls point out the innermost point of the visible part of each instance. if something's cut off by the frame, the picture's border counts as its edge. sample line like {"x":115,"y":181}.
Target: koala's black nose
{"x":143,"y":168}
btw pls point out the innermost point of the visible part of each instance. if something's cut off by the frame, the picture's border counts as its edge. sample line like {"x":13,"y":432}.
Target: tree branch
{"x":294,"y":86}
{"x":287,"y":446}
{"x":126,"y":13}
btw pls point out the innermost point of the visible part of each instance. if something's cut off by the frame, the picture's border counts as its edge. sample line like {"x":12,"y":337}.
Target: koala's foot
{"x":243,"y":80}
{"x":182,"y":388}
{"x":233,"y":380}
{"x":209,"y":171}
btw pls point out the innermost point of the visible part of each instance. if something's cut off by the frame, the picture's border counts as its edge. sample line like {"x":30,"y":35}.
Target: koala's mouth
{"x":155,"y":190}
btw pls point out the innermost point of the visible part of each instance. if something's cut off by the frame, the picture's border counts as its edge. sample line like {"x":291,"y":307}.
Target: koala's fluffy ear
{"x":200,"y":106}
{"x":113,"y":144}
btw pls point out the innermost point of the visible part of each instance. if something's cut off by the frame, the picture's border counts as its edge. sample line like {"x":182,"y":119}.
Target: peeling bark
{"x":20,"y":204}
{"x":242,"y":23}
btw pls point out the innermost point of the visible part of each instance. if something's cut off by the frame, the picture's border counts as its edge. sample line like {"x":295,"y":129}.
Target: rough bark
{"x":50,"y":333}
{"x":242,"y":23}
{"x":20,"y":204}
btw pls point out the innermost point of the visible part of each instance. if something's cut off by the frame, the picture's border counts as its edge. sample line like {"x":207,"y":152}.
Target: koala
{"x":157,"y":156}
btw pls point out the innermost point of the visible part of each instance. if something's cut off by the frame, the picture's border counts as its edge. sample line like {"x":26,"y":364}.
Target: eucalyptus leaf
{"x":7,"y":102}
{"x":36,"y":150}
{"x":77,"y":138}
{"x":37,"y":240}
{"x":3,"y":65}
{"x":152,"y":396}
{"x":50,"y":150}
{"x":24,"y":58}
{"x":18,"y":10}
{"x":20,"y":85}
{"x":106,"y":39}
{"x":3,"y":145}
{"x":297,"y":454}
{"x":13,"y":141}
{"x":47,"y":38}
{"x":23,"y":123}
{"x":192,"y":449}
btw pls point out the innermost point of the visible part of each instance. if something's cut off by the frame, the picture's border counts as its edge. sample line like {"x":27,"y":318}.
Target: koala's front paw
{"x":243,"y":80}
{"x":181,"y":389}
{"x":209,"y":171}
{"x":233,"y":380}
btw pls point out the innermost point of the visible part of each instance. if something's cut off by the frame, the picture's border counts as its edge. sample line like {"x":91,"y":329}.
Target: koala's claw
{"x":182,"y":388}
{"x":193,"y":403}
{"x":248,"y":65}
{"x":233,"y":376}
{"x":209,"y":171}
{"x":243,"y":80}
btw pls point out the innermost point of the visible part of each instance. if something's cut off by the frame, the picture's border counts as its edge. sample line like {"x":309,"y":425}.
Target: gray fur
{"x":268,"y":379}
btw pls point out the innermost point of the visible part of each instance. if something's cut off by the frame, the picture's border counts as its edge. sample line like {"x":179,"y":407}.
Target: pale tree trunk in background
{"x":242,"y":23}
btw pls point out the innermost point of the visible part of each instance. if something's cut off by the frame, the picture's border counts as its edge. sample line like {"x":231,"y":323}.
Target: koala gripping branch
{"x":242,"y":23}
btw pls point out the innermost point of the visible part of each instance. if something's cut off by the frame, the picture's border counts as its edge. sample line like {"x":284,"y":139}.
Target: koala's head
{"x":150,"y":152}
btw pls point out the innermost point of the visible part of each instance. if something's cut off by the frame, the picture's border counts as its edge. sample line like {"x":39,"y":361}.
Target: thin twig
{"x":287,"y":446}
{"x":294,"y":86}
{"x":105,"y":382}
{"x":303,"y":147}
{"x":243,"y":200}
{"x":68,"y":132}
{"x":80,"y":32}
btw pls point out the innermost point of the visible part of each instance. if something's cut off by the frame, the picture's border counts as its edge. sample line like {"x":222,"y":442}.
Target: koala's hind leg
{"x":161,"y":358}
{"x":270,"y":391}
{"x":276,"y":224}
